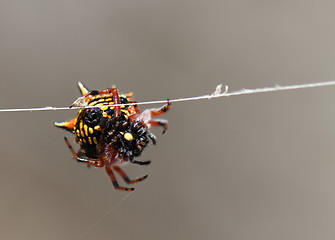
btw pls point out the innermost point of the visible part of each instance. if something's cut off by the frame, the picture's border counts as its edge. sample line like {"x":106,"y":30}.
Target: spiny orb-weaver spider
{"x":109,"y":136}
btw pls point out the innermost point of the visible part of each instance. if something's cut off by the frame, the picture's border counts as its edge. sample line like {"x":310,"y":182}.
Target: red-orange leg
{"x":94,"y":162}
{"x":125,"y":177}
{"x":137,"y":110}
{"x":116,"y":100}
{"x":113,"y":179}
{"x":159,"y":123}
{"x":160,"y":111}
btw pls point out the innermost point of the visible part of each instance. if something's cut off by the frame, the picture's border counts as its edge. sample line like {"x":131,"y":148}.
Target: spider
{"x":109,"y":136}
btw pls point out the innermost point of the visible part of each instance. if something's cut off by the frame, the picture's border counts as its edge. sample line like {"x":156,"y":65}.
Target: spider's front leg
{"x":159,"y":123}
{"x":147,"y":114}
{"x":94,"y":162}
{"x":156,"y":112}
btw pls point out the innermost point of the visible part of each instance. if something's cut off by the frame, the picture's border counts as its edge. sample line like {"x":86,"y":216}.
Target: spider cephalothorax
{"x":109,"y":135}
{"x":127,"y":137}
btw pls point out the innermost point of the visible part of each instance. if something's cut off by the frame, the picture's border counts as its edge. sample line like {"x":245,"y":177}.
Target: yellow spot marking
{"x":111,"y":103}
{"x":78,"y":132}
{"x":84,"y":140}
{"x":86,"y":129}
{"x":92,"y":103}
{"x":125,"y":112}
{"x":81,"y":128}
{"x":109,"y":99}
{"x":95,"y":141}
{"x":128,"y":136}
{"x":104,"y":114}
{"x":100,"y":104}
{"x":104,"y":108}
{"x":79,"y":112}
{"x":91,"y":130}
{"x":90,"y":140}
{"x":98,"y":128}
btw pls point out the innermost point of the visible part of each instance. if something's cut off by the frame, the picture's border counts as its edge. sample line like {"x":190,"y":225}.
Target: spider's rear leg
{"x":113,"y":179}
{"x":141,"y":162}
{"x":94,"y":162}
{"x":125,"y":177}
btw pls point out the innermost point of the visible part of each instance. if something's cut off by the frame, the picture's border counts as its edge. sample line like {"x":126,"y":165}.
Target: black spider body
{"x":120,"y":127}
{"x":109,"y":135}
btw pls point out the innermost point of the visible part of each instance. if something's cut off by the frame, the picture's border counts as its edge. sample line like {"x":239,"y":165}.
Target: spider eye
{"x":128,"y":136}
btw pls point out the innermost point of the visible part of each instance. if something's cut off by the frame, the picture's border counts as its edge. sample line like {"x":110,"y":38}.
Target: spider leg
{"x":140,"y":162}
{"x":152,"y":138}
{"x":147,"y":114}
{"x":159,"y":123}
{"x":125,"y":177}
{"x":113,"y":179}
{"x":156,"y":112}
{"x":94,"y":162}
{"x":116,"y":100}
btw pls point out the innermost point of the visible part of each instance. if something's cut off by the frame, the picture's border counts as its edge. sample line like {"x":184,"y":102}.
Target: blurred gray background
{"x":246,"y":167}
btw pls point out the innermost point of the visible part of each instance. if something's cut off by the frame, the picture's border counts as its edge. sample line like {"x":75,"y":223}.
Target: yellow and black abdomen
{"x":90,"y":124}
{"x":88,"y":129}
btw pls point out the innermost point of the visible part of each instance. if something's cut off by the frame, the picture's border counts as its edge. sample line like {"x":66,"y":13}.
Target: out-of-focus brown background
{"x":246,"y":167}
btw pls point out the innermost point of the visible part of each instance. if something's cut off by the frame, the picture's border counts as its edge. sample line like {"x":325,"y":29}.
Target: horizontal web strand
{"x":218,"y":93}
